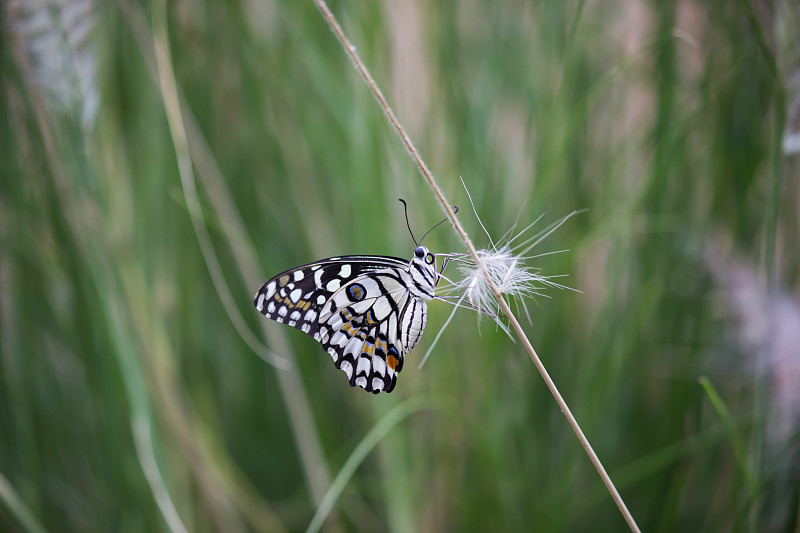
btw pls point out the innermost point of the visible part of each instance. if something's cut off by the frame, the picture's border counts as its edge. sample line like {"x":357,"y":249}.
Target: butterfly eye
{"x":420,"y":252}
{"x":429,"y":259}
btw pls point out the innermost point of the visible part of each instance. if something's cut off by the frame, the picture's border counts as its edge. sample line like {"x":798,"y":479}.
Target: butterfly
{"x":367,"y":311}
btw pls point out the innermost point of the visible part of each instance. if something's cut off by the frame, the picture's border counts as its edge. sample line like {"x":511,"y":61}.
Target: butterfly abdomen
{"x":412,"y":323}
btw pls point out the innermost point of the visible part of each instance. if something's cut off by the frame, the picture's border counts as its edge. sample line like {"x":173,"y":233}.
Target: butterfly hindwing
{"x":359,"y":329}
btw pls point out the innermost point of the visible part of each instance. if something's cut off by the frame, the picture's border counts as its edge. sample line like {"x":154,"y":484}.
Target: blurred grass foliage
{"x":130,"y":401}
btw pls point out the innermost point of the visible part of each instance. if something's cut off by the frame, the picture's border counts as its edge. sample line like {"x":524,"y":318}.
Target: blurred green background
{"x":135,"y":392}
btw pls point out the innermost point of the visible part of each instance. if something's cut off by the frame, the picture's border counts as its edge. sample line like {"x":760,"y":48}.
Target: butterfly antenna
{"x":405,"y":208}
{"x":455,"y":210}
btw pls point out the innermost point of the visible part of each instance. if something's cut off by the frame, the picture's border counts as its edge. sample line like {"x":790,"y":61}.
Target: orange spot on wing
{"x":392,"y":361}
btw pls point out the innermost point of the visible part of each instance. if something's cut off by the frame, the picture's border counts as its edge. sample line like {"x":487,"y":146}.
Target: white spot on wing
{"x":333,"y":285}
{"x":311,"y":315}
{"x":361,"y":382}
{"x":282,"y":311}
{"x":318,"y":278}
{"x":295,"y":295}
{"x":295,"y":315}
{"x":304,"y":328}
{"x":379,"y":366}
{"x":298,"y":275}
{"x":271,"y":307}
{"x":347,"y":368}
{"x":334,"y":355}
{"x":339,"y":338}
{"x":260,"y":304}
{"x":377,"y":384}
{"x":271,"y":290}
{"x":344,"y":272}
{"x":363,"y":365}
{"x":321,"y":299}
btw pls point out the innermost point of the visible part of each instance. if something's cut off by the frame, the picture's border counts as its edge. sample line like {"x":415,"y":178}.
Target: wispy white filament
{"x":504,"y":265}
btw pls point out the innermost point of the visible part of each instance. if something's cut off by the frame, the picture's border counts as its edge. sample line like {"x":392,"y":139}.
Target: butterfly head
{"x":422,"y":253}
{"x":423,"y":273}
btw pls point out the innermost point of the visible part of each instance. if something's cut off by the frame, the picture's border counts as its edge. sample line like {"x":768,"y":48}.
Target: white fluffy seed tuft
{"x":504,"y":266}
{"x":507,"y":271}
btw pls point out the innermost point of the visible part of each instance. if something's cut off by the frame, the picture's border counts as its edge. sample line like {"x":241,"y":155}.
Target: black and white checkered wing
{"x":361,"y":327}
{"x":352,"y":306}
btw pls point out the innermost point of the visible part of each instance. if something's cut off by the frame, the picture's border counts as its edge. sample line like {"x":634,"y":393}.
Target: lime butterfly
{"x":367,"y":311}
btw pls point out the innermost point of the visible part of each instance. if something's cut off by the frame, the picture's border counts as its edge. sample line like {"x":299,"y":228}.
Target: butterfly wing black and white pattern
{"x":295,"y":297}
{"x":361,"y":328}
{"x":367,"y":312}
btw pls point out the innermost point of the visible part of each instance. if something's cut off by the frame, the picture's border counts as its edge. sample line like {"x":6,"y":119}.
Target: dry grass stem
{"x":473,"y":252}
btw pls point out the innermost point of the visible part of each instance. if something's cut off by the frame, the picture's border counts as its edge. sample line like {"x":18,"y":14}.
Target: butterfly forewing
{"x":294,"y":297}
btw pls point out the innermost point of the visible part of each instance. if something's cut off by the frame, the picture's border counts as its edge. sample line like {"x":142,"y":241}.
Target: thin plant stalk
{"x":16,"y":507}
{"x":368,"y":443}
{"x":730,"y":430}
{"x":96,"y":263}
{"x":350,"y":50}
{"x":312,"y":459}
